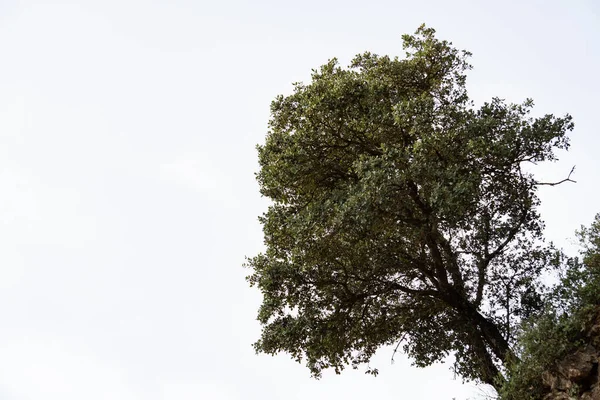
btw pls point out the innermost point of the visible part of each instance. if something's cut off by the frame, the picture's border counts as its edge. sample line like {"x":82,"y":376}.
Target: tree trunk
{"x":485,"y":336}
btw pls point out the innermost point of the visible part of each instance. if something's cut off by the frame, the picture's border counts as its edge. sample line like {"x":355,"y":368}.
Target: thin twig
{"x":397,"y":345}
{"x":567,"y":179}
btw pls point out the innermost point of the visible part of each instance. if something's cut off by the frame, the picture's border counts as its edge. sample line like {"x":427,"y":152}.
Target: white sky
{"x":127,"y":194}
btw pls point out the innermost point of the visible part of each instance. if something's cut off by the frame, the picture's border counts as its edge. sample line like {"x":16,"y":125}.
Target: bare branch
{"x":567,"y":179}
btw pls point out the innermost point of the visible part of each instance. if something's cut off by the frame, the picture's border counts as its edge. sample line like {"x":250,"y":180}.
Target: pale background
{"x":127,"y":194}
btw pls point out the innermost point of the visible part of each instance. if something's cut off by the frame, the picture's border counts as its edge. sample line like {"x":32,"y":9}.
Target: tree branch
{"x":416,"y":292}
{"x":567,"y":179}
{"x":483,"y":264}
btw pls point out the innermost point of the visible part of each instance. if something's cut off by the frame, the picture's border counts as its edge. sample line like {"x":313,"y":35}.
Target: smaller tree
{"x":564,"y":325}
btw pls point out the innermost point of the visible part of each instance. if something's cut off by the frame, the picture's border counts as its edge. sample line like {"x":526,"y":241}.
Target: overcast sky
{"x":127,"y":192}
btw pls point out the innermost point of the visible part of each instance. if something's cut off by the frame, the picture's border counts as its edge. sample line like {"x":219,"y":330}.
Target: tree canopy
{"x":401,"y":213}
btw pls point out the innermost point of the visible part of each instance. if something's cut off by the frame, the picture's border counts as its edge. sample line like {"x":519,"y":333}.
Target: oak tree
{"x":400,"y":213}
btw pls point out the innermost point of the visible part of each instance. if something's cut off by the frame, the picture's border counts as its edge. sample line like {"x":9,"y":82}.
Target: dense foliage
{"x":563,"y":327}
{"x":400,"y":212}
